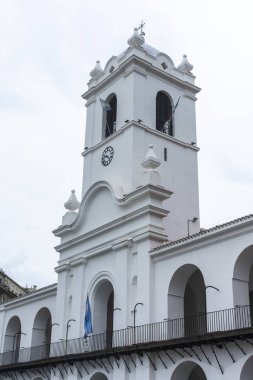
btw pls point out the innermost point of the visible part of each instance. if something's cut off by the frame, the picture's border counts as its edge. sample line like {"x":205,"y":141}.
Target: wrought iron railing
{"x":168,"y":330}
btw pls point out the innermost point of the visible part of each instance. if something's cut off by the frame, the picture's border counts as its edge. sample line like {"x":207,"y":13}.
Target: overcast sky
{"x":48,"y":48}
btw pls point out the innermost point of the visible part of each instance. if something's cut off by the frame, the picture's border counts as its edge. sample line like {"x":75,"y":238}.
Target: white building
{"x":168,"y":300}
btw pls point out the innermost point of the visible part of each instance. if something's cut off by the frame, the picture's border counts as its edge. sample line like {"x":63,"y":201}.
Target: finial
{"x":185,"y":65}
{"x":72,"y":203}
{"x":97,"y":71}
{"x":136,"y":40}
{"x":150,"y":164}
{"x":151,"y":161}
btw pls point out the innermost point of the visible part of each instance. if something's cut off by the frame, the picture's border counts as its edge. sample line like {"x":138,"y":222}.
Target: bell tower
{"x":140,"y":98}
{"x":140,"y":186}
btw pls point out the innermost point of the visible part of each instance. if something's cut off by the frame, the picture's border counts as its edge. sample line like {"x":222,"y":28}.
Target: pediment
{"x":164,"y":62}
{"x":106,"y":209}
{"x":99,"y":209}
{"x":100,"y":205}
{"x":111,"y":65}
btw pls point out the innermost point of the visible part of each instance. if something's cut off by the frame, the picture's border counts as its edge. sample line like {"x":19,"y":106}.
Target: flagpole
{"x":172,"y":113}
{"x":67,"y":332}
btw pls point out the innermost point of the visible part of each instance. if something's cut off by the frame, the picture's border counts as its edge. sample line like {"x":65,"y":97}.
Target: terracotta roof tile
{"x":204,"y":232}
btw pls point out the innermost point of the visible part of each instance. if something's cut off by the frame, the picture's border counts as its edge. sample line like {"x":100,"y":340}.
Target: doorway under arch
{"x":12,"y":340}
{"x":188,"y":371}
{"x":247,"y":369}
{"x":243,"y":282}
{"x":41,"y":334}
{"x":187,"y":300}
{"x":12,"y":334}
{"x":98,"y":376}
{"x":103,"y":305}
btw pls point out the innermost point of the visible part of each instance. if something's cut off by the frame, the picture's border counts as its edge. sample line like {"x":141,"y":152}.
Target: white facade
{"x":136,"y":248}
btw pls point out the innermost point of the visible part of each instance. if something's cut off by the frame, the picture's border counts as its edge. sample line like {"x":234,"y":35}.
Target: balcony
{"x":207,"y":328}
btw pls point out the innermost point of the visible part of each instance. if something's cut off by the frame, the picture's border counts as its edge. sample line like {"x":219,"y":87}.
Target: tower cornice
{"x":136,"y":63}
{"x":135,"y":124}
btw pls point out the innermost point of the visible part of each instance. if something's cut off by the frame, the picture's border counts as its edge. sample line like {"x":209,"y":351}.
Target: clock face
{"x":107,"y":155}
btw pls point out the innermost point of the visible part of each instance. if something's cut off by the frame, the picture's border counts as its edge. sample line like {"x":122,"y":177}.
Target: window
{"x":164,"y":122}
{"x":110,"y":115}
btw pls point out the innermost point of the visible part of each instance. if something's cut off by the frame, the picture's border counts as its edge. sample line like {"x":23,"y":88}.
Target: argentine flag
{"x":87,"y":319}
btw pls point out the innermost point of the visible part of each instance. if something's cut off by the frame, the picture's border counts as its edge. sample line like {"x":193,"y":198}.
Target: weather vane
{"x":141,"y":28}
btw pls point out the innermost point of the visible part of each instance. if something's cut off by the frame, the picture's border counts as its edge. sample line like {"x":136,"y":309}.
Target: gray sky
{"x":48,"y":48}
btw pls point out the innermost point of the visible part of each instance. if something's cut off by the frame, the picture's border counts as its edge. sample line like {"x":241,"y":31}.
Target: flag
{"x":87,"y":319}
{"x":106,"y":106}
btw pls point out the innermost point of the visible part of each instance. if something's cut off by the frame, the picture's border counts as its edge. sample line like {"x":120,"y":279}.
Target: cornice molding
{"x":202,"y":241}
{"x":135,"y":124}
{"x":134,"y":68}
{"x":145,"y":66}
{"x":80,"y":261}
{"x":148,"y":231}
{"x":62,"y":268}
{"x":148,"y":209}
{"x":127,"y":243}
{"x":38,"y":295}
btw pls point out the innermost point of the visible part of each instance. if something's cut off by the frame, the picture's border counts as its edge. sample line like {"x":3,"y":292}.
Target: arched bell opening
{"x":109,"y":115}
{"x":243,"y":287}
{"x":164,"y":114}
{"x":41,"y":334}
{"x":103,"y":305}
{"x":247,"y":369}
{"x":188,"y":371}
{"x":12,"y":340}
{"x":98,"y":376}
{"x":187,"y":302}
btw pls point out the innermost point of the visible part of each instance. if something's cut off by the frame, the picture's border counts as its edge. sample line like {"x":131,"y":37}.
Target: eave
{"x":135,"y":124}
{"x":215,"y":235}
{"x":39,"y":294}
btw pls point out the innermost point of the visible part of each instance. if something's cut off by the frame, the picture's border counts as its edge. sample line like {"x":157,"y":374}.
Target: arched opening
{"x":109,"y":115}
{"x":41,"y":334}
{"x":247,"y":370}
{"x":103,"y":305}
{"x":188,"y":371}
{"x":98,"y":376}
{"x":164,"y":119}
{"x":12,"y":340}
{"x":243,"y":287}
{"x":187,"y":300}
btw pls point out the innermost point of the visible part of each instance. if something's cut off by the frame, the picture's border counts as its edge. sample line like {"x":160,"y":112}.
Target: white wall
{"x":26,"y":308}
